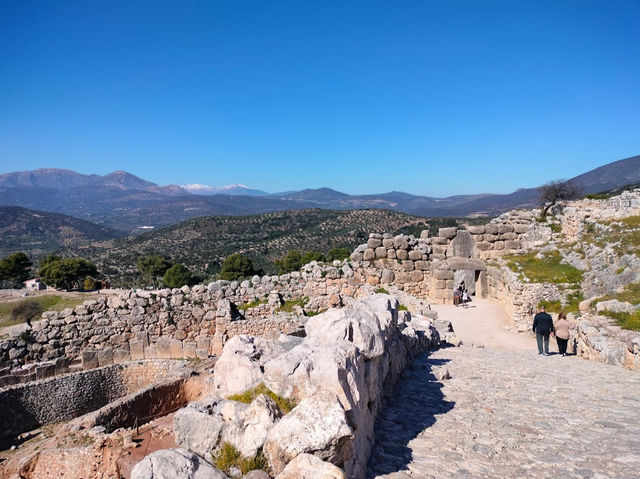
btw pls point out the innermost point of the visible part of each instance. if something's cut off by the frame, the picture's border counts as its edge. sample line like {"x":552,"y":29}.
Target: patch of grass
{"x":402,"y":307}
{"x":285,"y":405}
{"x":551,"y":306}
{"x":555,"y":228}
{"x":381,"y":291}
{"x":288,"y":306}
{"x":252,"y":304}
{"x":620,"y":270}
{"x":229,"y":457}
{"x":630,"y":321}
{"x":49,"y":302}
{"x":630,"y":294}
{"x":631,"y":221}
{"x":315,"y":313}
{"x":548,"y":269}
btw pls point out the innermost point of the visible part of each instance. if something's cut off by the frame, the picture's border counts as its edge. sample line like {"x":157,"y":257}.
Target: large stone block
{"x":448,"y":233}
{"x":402,"y":254}
{"x":415,"y":255}
{"x":508,"y":236}
{"x":512,"y":245}
{"x":381,"y":252}
{"x":484,"y":246}
{"x":387,"y":243}
{"x":121,"y":356}
{"x":505,"y":228}
{"x":417,"y":276}
{"x":105,"y":357}
{"x":175,"y":346}
{"x":136,"y":348}
{"x":476,"y":229}
{"x":461,"y":246}
{"x":388,"y":276}
{"x":443,"y":274}
{"x":189,"y":349}
{"x":374,"y":243}
{"x":163,"y":346}
{"x":400,"y":242}
{"x":408,"y":265}
{"x":89,"y":359}
{"x":491,"y":228}
{"x":369,"y":254}
{"x":422,"y":265}
{"x":391,"y":254}
{"x":403,"y":277}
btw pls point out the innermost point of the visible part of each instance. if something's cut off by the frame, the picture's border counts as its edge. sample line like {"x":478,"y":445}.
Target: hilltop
{"x":202,"y":243}
{"x":39,"y":232}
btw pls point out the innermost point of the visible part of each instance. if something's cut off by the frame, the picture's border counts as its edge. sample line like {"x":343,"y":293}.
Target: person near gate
{"x":543,"y":327}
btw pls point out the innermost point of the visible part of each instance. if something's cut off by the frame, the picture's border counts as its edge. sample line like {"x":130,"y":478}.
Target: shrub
{"x":236,"y":266}
{"x":249,"y":395}
{"x":381,"y":291}
{"x":252,"y":304}
{"x":229,"y":457}
{"x":338,"y":254}
{"x":402,"y":307}
{"x":630,"y":321}
{"x":176,"y":276}
{"x":89,"y":284}
{"x":27,"y":311}
{"x":288,"y":306}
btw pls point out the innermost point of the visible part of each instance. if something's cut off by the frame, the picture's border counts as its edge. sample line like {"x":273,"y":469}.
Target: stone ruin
{"x":355,"y":347}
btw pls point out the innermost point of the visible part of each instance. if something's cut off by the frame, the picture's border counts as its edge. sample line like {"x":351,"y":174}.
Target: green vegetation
{"x":630,"y":321}
{"x":14,"y":270}
{"x":555,"y":228}
{"x":236,"y":266}
{"x":177,"y":276}
{"x":252,"y":304}
{"x":288,"y":306}
{"x":630,"y":294}
{"x":571,"y":305}
{"x":402,"y":307}
{"x":202,"y":243}
{"x":152,"y":268}
{"x":315,"y":313}
{"x":229,"y":457}
{"x":65,"y":273}
{"x":285,"y":405}
{"x":548,"y":269}
{"x":381,"y":291}
{"x":89,"y":284}
{"x":294,"y":260}
{"x":48,"y":302}
{"x":623,"y":234}
{"x":338,"y":254}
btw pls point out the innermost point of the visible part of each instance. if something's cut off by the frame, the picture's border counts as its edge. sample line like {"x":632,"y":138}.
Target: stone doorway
{"x":475,"y":281}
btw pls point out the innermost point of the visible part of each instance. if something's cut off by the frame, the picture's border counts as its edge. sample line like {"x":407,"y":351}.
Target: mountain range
{"x":126,"y":203}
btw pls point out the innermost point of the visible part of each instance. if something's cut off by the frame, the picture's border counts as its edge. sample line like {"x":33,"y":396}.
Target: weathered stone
{"x":89,"y":359}
{"x":308,"y":466}
{"x":387,"y":276}
{"x":476,"y":229}
{"x":461,"y":246}
{"x":402,"y":254}
{"x":374,"y":243}
{"x":196,"y":429}
{"x":447,"y":232}
{"x":381,"y":252}
{"x":175,"y":464}
{"x":318,"y":425}
{"x":163,"y":346}
{"x":400,"y":242}
{"x":369,"y":254}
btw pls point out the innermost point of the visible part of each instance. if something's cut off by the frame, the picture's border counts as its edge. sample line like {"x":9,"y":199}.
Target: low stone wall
{"x":27,"y":407}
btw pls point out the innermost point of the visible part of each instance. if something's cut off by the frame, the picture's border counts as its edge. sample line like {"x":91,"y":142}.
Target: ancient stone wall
{"x":600,"y":339}
{"x":29,"y":406}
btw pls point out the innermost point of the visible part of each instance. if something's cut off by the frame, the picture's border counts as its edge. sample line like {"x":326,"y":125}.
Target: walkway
{"x":507,"y":412}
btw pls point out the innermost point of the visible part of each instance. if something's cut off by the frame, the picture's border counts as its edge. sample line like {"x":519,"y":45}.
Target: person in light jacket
{"x":561,"y":327}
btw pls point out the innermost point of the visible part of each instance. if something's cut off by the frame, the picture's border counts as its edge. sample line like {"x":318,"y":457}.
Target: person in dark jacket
{"x":543,"y":326}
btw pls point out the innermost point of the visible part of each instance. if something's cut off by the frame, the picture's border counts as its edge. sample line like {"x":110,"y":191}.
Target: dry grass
{"x":49,"y":302}
{"x":285,"y":405}
{"x":229,"y":457}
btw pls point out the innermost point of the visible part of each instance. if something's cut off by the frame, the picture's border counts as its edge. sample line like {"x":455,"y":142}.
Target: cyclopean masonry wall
{"x":26,"y":407}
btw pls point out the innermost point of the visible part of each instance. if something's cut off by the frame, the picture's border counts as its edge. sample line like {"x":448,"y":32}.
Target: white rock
{"x":307,"y":466}
{"x":175,"y":464}
{"x":318,"y":425}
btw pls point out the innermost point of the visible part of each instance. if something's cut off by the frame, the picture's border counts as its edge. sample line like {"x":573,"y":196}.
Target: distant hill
{"x":125,"y":202}
{"x":38,"y":233}
{"x":202,"y":243}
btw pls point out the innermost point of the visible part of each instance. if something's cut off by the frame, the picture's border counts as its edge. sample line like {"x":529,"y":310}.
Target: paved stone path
{"x":510,"y":414}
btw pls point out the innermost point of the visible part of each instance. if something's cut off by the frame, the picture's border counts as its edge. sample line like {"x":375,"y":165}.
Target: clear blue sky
{"x":428,"y":97}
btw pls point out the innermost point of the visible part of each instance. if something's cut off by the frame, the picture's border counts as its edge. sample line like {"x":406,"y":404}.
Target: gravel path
{"x":507,"y":412}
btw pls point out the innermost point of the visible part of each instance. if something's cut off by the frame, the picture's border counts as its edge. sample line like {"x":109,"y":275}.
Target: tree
{"x":235,"y":267}
{"x":65,"y":273}
{"x":294,"y":260}
{"x":338,"y":254}
{"x":152,"y":267}
{"x":89,"y":284}
{"x":555,"y":191}
{"x":15,"y":269}
{"x":176,"y":276}
{"x":26,"y":311}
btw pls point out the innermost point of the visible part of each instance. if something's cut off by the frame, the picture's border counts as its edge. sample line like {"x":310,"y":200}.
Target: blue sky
{"x":432,"y":98}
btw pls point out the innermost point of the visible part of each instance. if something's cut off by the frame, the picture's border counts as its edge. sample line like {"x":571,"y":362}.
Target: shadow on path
{"x":416,"y":401}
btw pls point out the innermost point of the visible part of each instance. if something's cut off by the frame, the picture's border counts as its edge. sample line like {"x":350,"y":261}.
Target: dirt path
{"x":484,"y":323}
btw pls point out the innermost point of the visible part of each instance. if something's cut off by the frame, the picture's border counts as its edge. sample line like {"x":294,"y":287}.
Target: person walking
{"x":561,"y":327}
{"x":543,"y":326}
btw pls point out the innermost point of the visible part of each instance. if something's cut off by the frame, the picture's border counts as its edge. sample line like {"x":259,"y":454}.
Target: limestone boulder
{"x":175,"y":464}
{"x":318,"y":426}
{"x":248,"y":431}
{"x":615,"y":306}
{"x":308,"y":466}
{"x":461,"y":246}
{"x":198,"y":427}
{"x":240,"y":365}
